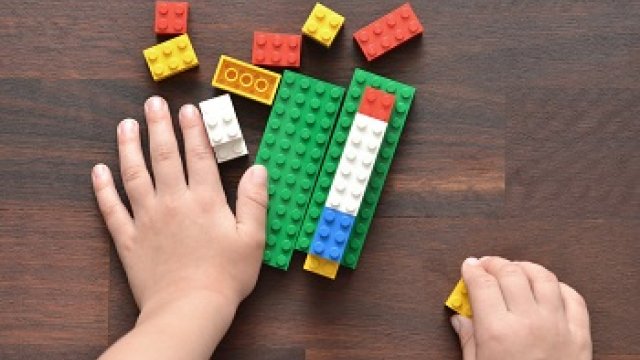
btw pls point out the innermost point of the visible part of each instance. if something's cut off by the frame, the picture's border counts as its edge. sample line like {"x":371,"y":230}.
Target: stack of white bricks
{"x":223,"y":129}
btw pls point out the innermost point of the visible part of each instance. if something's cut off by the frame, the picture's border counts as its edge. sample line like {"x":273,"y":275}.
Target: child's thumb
{"x":251,"y":206}
{"x":464,"y":328}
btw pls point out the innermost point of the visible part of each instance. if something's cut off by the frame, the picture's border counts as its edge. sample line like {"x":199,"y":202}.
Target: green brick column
{"x":404,"y":97}
{"x":292,"y":149}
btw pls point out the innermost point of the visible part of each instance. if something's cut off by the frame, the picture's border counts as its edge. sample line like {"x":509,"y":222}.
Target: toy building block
{"x":246,"y":80}
{"x":170,"y":57}
{"x":388,"y":32}
{"x":376,"y":104}
{"x":404,"y":97}
{"x":278,"y":50}
{"x":321,"y":266}
{"x":171,"y":17}
{"x":458,"y":301}
{"x":323,"y":25}
{"x":332,"y":234}
{"x":356,"y":164}
{"x":292,"y":148}
{"x":223,"y":129}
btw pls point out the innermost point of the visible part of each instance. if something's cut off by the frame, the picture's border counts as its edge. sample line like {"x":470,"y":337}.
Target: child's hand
{"x":183,"y":248}
{"x":521,"y":312}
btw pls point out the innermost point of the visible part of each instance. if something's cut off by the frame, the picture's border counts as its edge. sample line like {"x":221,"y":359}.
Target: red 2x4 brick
{"x":388,"y":32}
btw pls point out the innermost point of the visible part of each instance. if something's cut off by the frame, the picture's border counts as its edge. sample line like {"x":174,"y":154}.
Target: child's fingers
{"x":133,"y":169}
{"x":464,"y":328}
{"x":484,"y":292}
{"x":513,"y":282}
{"x":251,"y":207}
{"x":115,"y":215}
{"x":576,"y":309}
{"x":202,"y":171}
{"x":545,"y":285}
{"x":165,"y":158}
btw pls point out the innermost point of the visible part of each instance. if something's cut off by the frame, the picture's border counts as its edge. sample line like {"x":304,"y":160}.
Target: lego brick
{"x":458,"y":300}
{"x":223,"y":128}
{"x":404,"y":96}
{"x":292,"y":149}
{"x":278,"y":50}
{"x":323,"y":24}
{"x":377,"y":104}
{"x":356,"y":164}
{"x":388,"y":32}
{"x":332,"y":234}
{"x":170,"y":57}
{"x":230,"y":150}
{"x":320,"y":266}
{"x":171,"y":17}
{"x":246,"y":80}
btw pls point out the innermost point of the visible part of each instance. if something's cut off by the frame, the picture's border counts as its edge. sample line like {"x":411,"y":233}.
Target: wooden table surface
{"x":523,"y":141}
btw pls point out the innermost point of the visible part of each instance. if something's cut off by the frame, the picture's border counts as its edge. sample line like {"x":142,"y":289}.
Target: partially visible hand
{"x":183,"y":240}
{"x":521,"y":312}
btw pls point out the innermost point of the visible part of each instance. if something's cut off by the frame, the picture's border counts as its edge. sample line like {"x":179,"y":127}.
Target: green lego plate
{"x":404,"y":97}
{"x":292,"y":149}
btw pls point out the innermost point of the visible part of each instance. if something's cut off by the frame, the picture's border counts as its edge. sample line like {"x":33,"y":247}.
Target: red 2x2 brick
{"x":171,"y":17}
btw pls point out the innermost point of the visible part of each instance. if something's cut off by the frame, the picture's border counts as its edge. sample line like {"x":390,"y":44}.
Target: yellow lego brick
{"x":458,"y":301}
{"x":323,"y":24}
{"x":320,"y":266}
{"x":246,"y":80}
{"x":170,"y":57}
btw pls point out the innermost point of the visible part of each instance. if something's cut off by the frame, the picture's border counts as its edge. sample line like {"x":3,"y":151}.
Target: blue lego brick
{"x":330,"y":238}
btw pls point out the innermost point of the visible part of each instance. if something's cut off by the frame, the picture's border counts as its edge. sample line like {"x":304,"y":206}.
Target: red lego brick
{"x":388,"y":32}
{"x":377,"y":104}
{"x":171,"y":17}
{"x":271,"y":49}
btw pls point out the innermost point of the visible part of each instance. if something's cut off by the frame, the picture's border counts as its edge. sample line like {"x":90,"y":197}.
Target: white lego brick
{"x":230,"y":150}
{"x":220,"y":120}
{"x":356,"y":164}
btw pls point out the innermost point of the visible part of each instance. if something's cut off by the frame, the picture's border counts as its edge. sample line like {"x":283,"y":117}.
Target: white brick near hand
{"x":223,"y":129}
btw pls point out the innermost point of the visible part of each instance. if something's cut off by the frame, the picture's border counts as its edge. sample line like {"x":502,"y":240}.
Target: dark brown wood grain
{"x":523,"y":141}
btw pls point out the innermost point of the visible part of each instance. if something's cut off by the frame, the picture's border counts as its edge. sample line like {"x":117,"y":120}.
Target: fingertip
{"x":155,"y":103}
{"x":188,"y":110}
{"x":100,"y":173}
{"x":258,"y":174}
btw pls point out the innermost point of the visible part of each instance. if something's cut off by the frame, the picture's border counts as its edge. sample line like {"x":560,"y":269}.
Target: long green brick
{"x":404,"y":97}
{"x":292,"y":149}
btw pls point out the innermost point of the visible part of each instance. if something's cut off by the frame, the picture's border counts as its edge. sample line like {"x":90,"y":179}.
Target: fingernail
{"x":455,"y":323}
{"x":155,"y":103}
{"x":259,"y":174}
{"x":127,"y":126}
{"x":99,"y":171}
{"x":188,"y":109}
{"x":472,"y":261}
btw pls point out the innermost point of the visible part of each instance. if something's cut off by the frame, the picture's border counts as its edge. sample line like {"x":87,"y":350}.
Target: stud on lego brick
{"x":170,"y":57}
{"x":223,"y":128}
{"x":377,"y":104}
{"x":323,"y":25}
{"x":331,"y":234}
{"x":277,"y":50}
{"x":356,"y":164}
{"x":246,"y":80}
{"x":388,"y":32}
{"x":458,"y":301}
{"x":320,"y":266}
{"x":171,"y":17}
{"x":292,"y":148}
